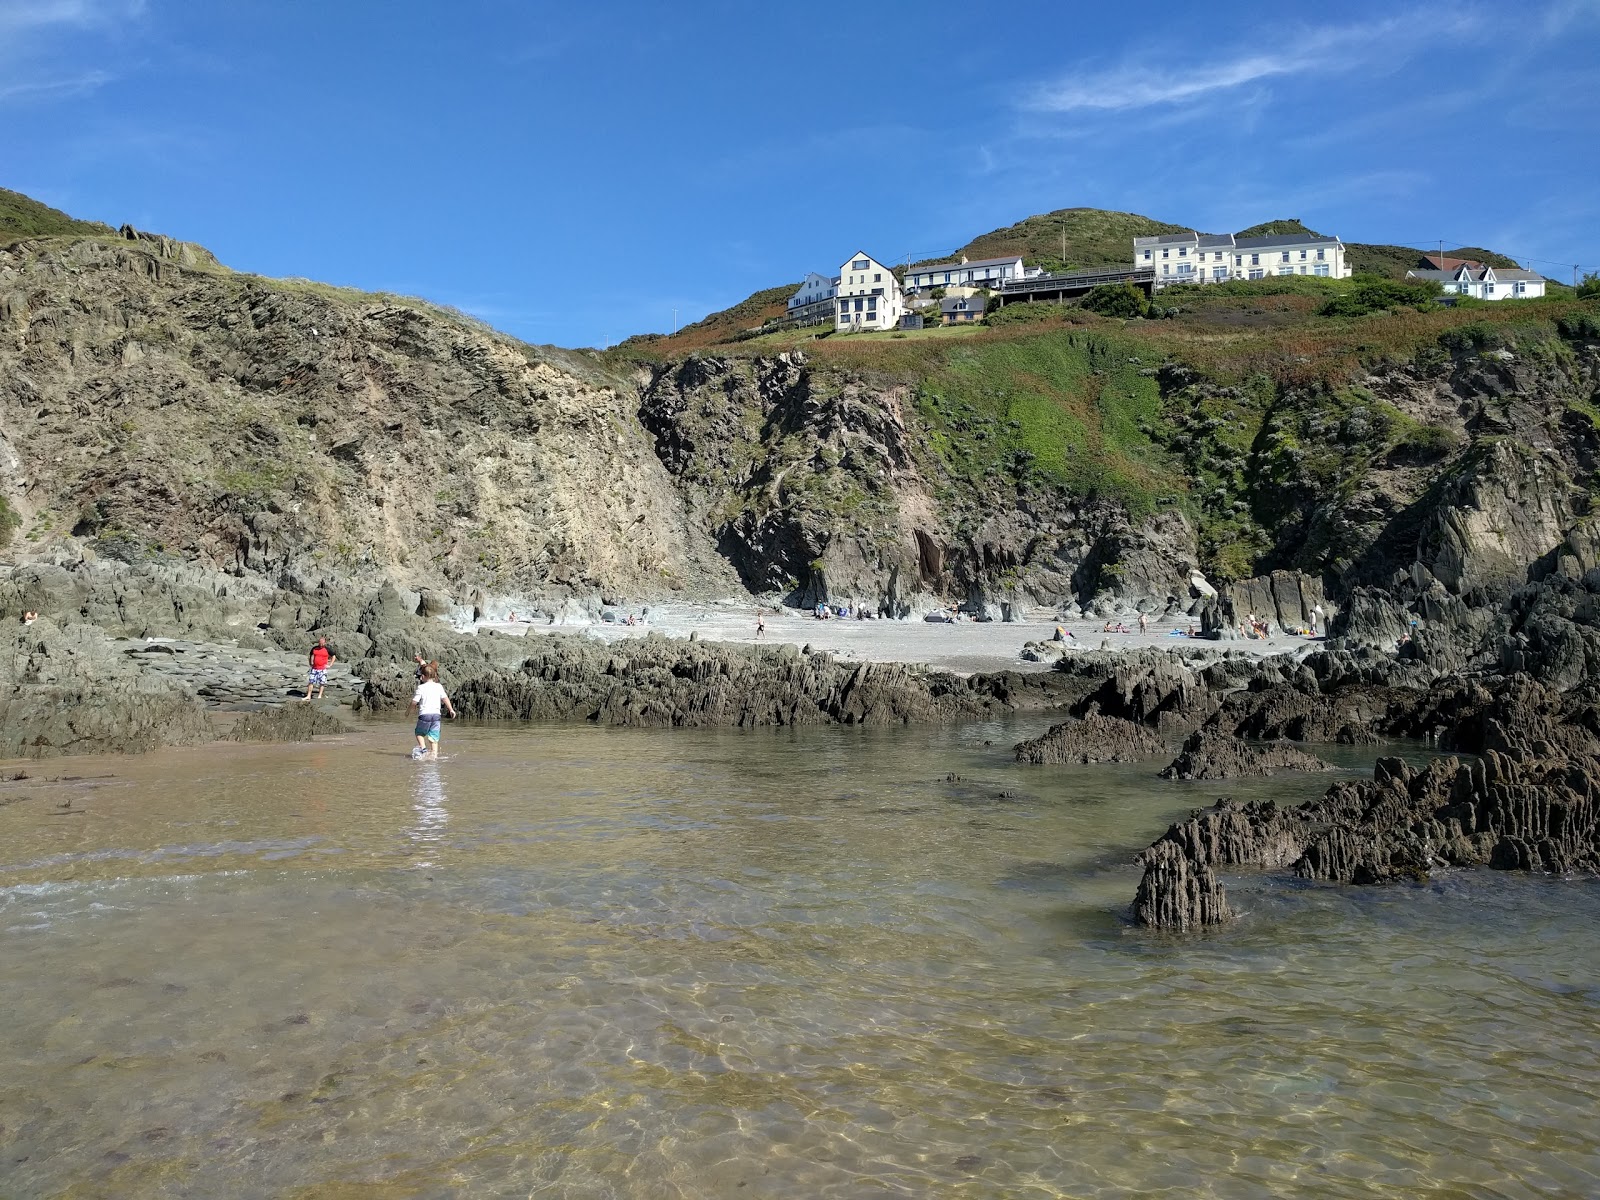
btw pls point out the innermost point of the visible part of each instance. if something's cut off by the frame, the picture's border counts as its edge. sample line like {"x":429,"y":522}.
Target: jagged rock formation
{"x":1093,"y":739}
{"x":1532,"y":802}
{"x":1177,"y":892}
{"x":1210,"y":754}
{"x":655,"y":681}
{"x":70,"y":690}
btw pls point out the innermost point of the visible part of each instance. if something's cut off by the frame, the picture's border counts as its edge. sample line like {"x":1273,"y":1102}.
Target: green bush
{"x":1476,"y":337}
{"x":1116,"y":300}
{"x":1589,"y":289}
{"x":1375,"y":294}
{"x":9,"y":521}
{"x":1579,"y":325}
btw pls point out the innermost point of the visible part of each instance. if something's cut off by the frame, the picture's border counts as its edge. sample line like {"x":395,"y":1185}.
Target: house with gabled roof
{"x":869,"y":296}
{"x":977,"y":273}
{"x":1194,"y":257}
{"x":813,"y":299}
{"x":1485,"y":283}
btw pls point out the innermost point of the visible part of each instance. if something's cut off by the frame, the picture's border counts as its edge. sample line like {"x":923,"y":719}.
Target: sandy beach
{"x":964,"y":647}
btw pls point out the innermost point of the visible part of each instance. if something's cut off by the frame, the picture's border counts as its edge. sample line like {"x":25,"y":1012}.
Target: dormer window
{"x":859,"y":265}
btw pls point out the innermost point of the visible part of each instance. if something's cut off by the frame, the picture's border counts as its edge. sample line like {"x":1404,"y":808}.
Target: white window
{"x":1147,"y":256}
{"x":1255,"y":261}
{"x":1302,"y":270}
{"x":1166,"y":268}
{"x":1219,"y":272}
{"x":1183,"y":251}
{"x":1285,"y":270}
{"x":1320,"y":269}
{"x":1302,"y":256}
{"x":878,"y":275}
{"x":1285,"y":257}
{"x":859,"y":265}
{"x":1319,"y":255}
{"x":1489,"y":288}
{"x":1257,"y":273}
{"x":1238,"y":260}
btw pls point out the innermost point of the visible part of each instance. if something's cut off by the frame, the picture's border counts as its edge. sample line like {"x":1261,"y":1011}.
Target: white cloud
{"x":1150,"y":82}
{"x":42,"y":46}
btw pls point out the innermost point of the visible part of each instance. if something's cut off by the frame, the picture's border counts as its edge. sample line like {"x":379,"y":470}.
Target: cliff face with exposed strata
{"x":158,"y":408}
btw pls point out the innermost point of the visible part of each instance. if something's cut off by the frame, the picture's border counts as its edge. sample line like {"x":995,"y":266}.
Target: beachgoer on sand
{"x":320,"y":659}
{"x":761,"y":625}
{"x":428,"y":700}
{"x":1144,"y":622}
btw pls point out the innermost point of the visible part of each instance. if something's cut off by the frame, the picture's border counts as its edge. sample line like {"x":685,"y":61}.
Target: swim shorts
{"x":428,"y":727}
{"x":319,"y":678}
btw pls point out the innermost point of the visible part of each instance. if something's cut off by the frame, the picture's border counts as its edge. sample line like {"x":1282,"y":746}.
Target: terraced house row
{"x":1218,"y":257}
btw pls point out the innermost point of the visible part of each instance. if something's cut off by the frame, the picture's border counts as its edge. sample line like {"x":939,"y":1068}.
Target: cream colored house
{"x":869,"y":296}
{"x":1218,"y":257}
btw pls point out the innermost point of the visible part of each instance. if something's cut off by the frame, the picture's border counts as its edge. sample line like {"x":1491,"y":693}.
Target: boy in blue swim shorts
{"x":429,"y":699}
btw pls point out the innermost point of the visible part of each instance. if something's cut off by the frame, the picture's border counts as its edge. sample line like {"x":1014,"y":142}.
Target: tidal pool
{"x":571,"y":963}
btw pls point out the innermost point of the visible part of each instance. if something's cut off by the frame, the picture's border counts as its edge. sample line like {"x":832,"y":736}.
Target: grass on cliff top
{"x":1095,"y":237}
{"x":24,"y":217}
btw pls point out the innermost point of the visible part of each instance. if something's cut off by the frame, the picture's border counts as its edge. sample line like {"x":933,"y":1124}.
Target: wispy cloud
{"x":43,"y":50}
{"x":1146,"y":83}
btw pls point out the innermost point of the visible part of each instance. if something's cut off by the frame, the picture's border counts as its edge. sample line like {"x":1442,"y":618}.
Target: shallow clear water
{"x":573,"y":962}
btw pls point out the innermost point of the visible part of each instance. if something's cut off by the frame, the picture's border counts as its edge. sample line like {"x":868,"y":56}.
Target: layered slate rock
{"x":1094,"y":739}
{"x":1533,"y":806}
{"x":68,"y":690}
{"x":1176,"y":892}
{"x":1211,"y":754}
{"x":658,"y":681}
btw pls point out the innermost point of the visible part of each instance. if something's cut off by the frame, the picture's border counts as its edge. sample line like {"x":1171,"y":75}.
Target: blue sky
{"x":573,"y":173}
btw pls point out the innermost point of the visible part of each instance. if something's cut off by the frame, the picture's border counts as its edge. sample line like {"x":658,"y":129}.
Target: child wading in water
{"x":427,"y":700}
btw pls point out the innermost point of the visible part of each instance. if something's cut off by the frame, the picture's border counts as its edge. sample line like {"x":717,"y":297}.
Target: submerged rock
{"x":1094,"y":739}
{"x":1209,"y":754}
{"x":286,"y":723}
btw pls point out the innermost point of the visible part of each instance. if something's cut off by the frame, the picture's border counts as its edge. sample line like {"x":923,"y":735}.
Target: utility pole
{"x":674,"y":322}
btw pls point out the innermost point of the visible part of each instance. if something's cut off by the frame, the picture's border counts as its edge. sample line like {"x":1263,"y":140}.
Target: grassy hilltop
{"x":24,"y":217}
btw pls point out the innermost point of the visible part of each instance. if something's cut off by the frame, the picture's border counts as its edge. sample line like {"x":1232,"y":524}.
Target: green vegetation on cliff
{"x":24,"y":217}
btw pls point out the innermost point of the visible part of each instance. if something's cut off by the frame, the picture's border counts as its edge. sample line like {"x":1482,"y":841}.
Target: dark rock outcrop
{"x":1176,"y":892}
{"x":656,"y":681}
{"x":1532,"y":802}
{"x":1210,"y":754}
{"x":68,"y":690}
{"x":1093,"y":739}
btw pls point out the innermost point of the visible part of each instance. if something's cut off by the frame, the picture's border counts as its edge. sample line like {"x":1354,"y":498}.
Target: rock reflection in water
{"x":774,"y":963}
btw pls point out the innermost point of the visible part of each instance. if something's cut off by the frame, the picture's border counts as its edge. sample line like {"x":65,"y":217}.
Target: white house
{"x":1485,"y":283}
{"x":869,"y":296}
{"x":815,"y":297}
{"x":982,"y":272}
{"x":1218,"y":257}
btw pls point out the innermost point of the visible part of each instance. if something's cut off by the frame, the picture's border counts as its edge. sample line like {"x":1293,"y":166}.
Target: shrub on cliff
{"x":1374,"y":294}
{"x":9,"y":520}
{"x":1116,"y":300}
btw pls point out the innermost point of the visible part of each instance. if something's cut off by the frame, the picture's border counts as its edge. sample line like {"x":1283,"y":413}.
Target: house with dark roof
{"x":1485,"y":283}
{"x":1194,"y":257}
{"x":980,"y":272}
{"x":961,"y":310}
